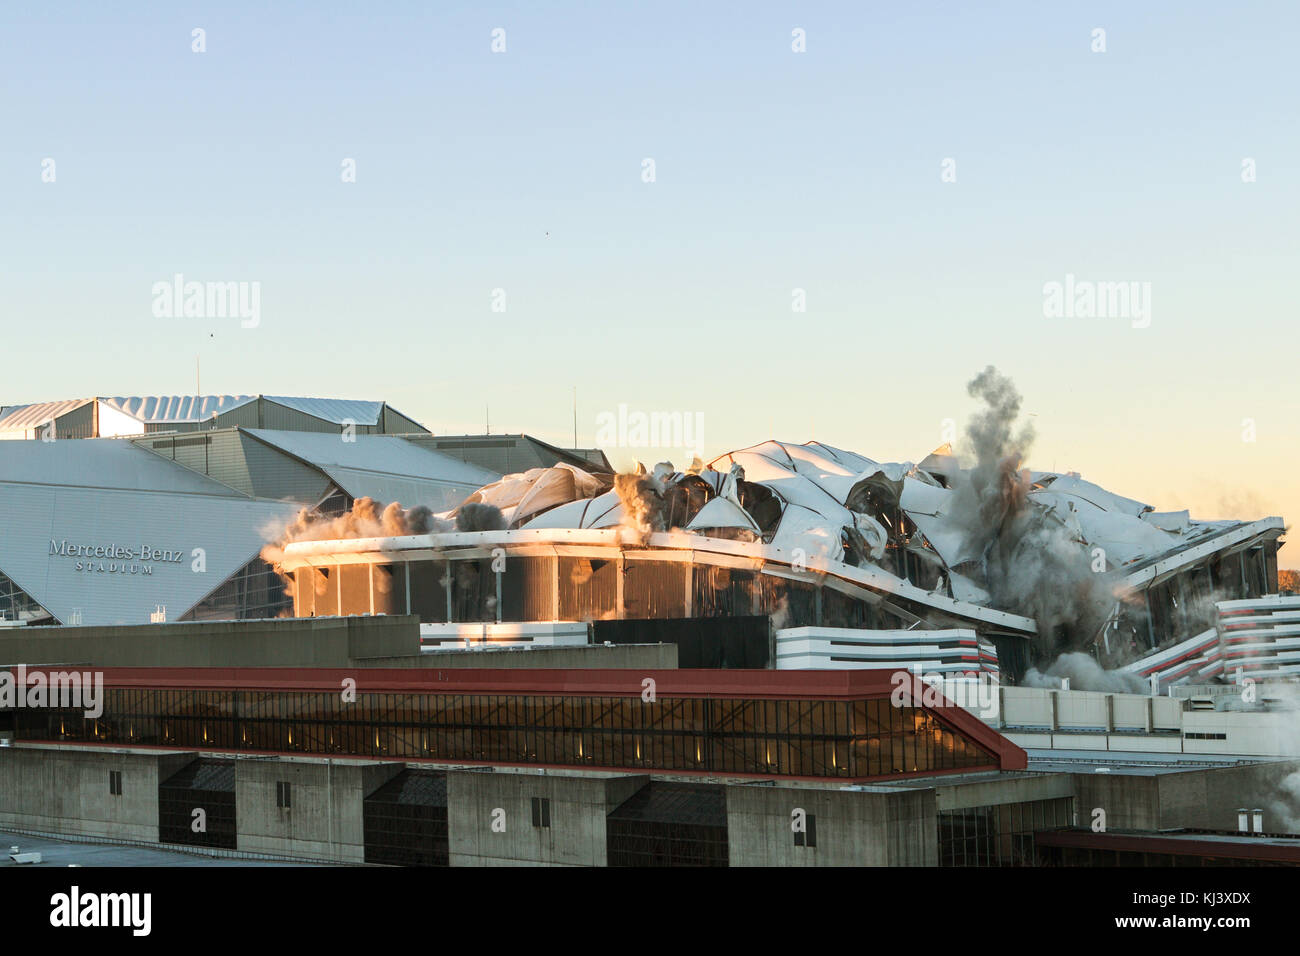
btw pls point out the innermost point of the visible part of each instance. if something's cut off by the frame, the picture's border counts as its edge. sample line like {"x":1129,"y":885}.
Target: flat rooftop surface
{"x":1142,"y":764}
{"x":941,"y":780}
{"x":56,"y":852}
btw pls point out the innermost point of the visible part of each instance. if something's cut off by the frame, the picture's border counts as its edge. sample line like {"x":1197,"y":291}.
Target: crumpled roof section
{"x":815,"y":501}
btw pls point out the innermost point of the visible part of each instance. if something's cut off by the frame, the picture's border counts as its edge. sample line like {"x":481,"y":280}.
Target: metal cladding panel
{"x":78,"y":423}
{"x":304,"y":592}
{"x":354,"y":588}
{"x":506,"y":455}
{"x":278,"y":417}
{"x":225,"y":459}
{"x":337,"y":411}
{"x":795,"y":602}
{"x":721,"y":592}
{"x":101,"y":463}
{"x":655,"y":589}
{"x":528,"y":589}
{"x":271,"y":473}
{"x":234,"y":458}
{"x":327,"y":591}
{"x":381,"y":454}
{"x":428,"y":592}
{"x":588,"y":588}
{"x":190,"y":450}
{"x":176,"y":408}
{"x":473,"y":591}
{"x":217,"y":454}
{"x":383,"y":467}
{"x":395,"y":423}
{"x":23,"y":418}
{"x":38,"y":520}
{"x":388,"y":585}
{"x":245,"y":416}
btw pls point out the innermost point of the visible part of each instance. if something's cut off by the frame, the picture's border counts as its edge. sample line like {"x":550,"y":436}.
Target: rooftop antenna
{"x":487,"y":420}
{"x":575,"y":416}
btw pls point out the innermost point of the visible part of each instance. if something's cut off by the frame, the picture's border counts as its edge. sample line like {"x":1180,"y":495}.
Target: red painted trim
{"x":613,"y":682}
{"x":829,"y":685}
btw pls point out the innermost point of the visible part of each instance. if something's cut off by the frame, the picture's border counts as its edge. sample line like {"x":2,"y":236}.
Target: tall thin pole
{"x":198,"y":387}
{"x":575,"y":416}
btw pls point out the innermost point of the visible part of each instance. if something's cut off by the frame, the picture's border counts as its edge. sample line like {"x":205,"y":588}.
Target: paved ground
{"x":58,"y":853}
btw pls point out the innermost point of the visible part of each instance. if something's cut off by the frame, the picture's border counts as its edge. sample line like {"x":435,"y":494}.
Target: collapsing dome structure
{"x":1036,"y":564}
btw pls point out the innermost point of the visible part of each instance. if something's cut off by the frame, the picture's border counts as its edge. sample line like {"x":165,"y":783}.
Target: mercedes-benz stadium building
{"x":166,"y":521}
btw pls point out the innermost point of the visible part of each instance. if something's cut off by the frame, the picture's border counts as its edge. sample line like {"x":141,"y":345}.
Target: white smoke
{"x":1285,"y":808}
{"x":1084,"y":673}
{"x":1029,"y":562}
{"x":642,"y":497}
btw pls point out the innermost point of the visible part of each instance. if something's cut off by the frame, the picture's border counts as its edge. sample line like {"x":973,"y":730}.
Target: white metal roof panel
{"x":25,"y":417}
{"x":176,"y":409}
{"x":173,"y":409}
{"x":336,"y":410}
{"x":102,"y":463}
{"x":383,"y":467}
{"x":1097,"y":495}
{"x":1124,"y":537}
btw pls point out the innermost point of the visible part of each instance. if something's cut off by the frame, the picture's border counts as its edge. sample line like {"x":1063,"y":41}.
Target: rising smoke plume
{"x":1084,"y":673}
{"x":1284,"y":807}
{"x":1028,"y":559}
{"x":479,"y":517}
{"x":366,"y":519}
{"x":994,"y":487}
{"x":642,"y":498}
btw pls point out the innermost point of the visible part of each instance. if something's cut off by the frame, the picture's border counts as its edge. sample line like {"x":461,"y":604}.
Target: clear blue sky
{"x":774,"y":171}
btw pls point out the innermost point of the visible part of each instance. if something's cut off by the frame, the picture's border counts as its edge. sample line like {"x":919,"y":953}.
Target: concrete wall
{"x":576,"y":836}
{"x":1036,"y":708}
{"x":283,"y":642}
{"x":1209,"y":799}
{"x":854,"y":828}
{"x":1004,"y":789}
{"x":67,"y":791}
{"x":1202,"y":799}
{"x":1129,"y":801}
{"x":325,"y":818}
{"x":384,"y":641}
